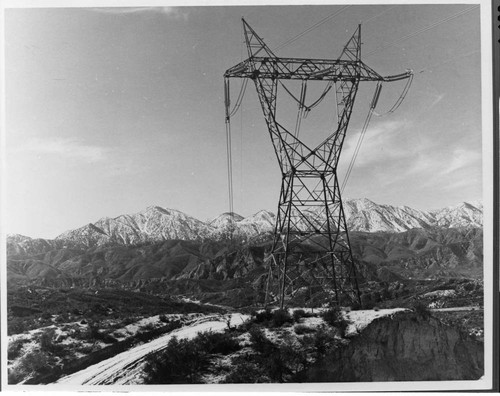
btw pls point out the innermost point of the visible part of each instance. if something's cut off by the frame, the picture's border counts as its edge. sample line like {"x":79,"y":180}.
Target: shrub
{"x":180,"y":362}
{"x":222,"y":343}
{"x":260,"y":342}
{"x":164,"y":319}
{"x":298,"y":314}
{"x":335,"y":318}
{"x":303,"y":329}
{"x":246,"y":373}
{"x":35,"y":363}
{"x":15,"y":347}
{"x":280,"y":317}
{"x":148,"y":327}
{"x":46,"y":315}
{"x":263,"y":316}
{"x":47,"y":340}
{"x":322,"y":341}
{"x":422,"y":310}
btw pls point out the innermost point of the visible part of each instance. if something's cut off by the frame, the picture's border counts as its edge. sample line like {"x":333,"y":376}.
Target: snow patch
{"x":359,"y":320}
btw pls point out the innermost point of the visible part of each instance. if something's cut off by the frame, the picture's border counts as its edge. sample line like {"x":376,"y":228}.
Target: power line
{"x":422,"y":30}
{"x":376,"y":16}
{"x":448,"y":61}
{"x":316,"y":25}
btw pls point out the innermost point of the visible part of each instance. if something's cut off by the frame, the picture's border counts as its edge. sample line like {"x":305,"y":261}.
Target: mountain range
{"x":164,"y":248}
{"x":158,"y":224}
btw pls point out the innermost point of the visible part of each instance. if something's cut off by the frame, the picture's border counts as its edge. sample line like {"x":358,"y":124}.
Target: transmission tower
{"x":311,"y":248}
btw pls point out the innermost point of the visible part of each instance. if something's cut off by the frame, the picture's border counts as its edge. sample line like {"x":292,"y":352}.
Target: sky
{"x":112,"y":110}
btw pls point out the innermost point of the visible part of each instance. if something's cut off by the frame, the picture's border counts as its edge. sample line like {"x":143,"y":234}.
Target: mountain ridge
{"x":156,"y":224}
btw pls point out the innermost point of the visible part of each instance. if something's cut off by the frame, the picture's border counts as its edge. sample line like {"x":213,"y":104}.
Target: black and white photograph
{"x":252,"y":196}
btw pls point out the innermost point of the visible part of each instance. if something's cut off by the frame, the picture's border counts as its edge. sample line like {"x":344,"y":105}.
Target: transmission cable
{"x":229,"y":168}
{"x":316,"y":25}
{"x":227,"y":103}
{"x":373,"y":104}
{"x":422,"y":30}
{"x":447,"y":61}
{"x":376,"y":16}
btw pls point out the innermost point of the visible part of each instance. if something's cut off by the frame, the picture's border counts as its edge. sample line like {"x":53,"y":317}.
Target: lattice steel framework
{"x":311,"y":245}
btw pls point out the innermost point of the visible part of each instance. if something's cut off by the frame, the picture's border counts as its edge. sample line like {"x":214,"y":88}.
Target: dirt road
{"x":126,"y":368}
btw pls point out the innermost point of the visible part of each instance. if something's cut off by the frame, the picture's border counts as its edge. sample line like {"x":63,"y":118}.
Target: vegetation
{"x":93,"y":306}
{"x":54,"y":359}
{"x":334,"y":317}
{"x":186,"y":361}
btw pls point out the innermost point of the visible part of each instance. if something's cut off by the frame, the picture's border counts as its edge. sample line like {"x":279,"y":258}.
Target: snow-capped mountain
{"x":158,"y":224}
{"x":462,"y":215}
{"x":365,"y":215}
{"x":153,"y":224}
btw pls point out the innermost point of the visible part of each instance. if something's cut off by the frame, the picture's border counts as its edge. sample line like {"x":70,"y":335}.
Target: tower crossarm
{"x":307,"y":69}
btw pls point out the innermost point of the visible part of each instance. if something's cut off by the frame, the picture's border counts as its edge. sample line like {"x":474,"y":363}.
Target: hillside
{"x":163,"y":250}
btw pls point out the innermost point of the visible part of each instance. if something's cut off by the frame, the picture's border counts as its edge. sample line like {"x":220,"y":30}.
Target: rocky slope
{"x":407,"y":347}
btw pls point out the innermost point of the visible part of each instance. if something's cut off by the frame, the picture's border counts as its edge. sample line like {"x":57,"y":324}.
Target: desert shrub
{"x":298,"y":314}
{"x":128,"y":321}
{"x":163,"y":318}
{"x":181,"y":362}
{"x":93,"y":331}
{"x":246,"y":372}
{"x":276,"y":367}
{"x":303,"y":329}
{"x":260,"y":342}
{"x":35,"y":362}
{"x":85,"y":348}
{"x":263,"y":316}
{"x":295,"y":359}
{"x":320,"y":342}
{"x":46,"y":315}
{"x":148,"y":327}
{"x":47,"y":340}
{"x":222,"y":343}
{"x":422,"y":310}
{"x":15,"y":347}
{"x":280,"y":317}
{"x":335,"y":318}
{"x":16,"y":326}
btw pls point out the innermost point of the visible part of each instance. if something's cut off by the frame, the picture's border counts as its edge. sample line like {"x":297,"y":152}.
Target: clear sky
{"x":112,"y":110}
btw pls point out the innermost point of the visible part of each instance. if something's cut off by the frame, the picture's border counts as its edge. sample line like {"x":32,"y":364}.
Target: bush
{"x":181,"y":362}
{"x":280,"y":317}
{"x":263,"y":316}
{"x":303,"y":329}
{"x":15,"y":347}
{"x":422,"y":310}
{"x":246,"y":373}
{"x":35,"y":363}
{"x":321,"y":342}
{"x":164,"y":319}
{"x":221,"y":343}
{"x":260,"y":342}
{"x":335,"y":318}
{"x":298,"y":314}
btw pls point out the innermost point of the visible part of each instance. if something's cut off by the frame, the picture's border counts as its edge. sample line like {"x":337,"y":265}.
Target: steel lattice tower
{"x":311,"y":245}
